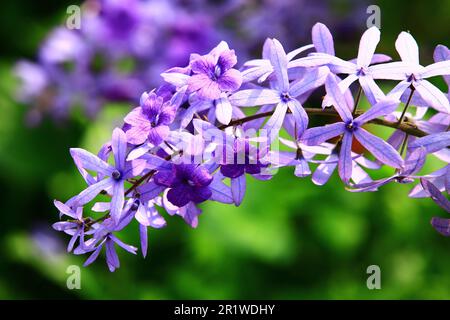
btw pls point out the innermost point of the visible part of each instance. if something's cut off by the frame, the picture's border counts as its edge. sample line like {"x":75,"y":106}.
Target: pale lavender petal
{"x":93,"y":256}
{"x":125,"y":246}
{"x":158,"y":135}
{"x":398,"y":70}
{"x":254,"y":97}
{"x":138,"y":134}
{"x":64,"y":209}
{"x":101,"y":206}
{"x":399,"y":89}
{"x":117,"y":201}
{"x":89,"y":161}
{"x":367,"y":46}
{"x":64,"y":225}
{"x":380,"y":58}
{"x":317,"y":60}
{"x":311,"y":80}
{"x":220,"y":191}
{"x":119,"y":147}
{"x":325,"y":170}
{"x":371,"y":89}
{"x":224,"y":110}
{"x":436,"y":69}
{"x":359,"y":175}
{"x":414,"y":162}
{"x":380,"y":149}
{"x":433,"y":142}
{"x":144,"y":239}
{"x":139,"y":151}
{"x":155,"y":162}
{"x":370,"y":186}
{"x":279,"y":62}
{"x":231,"y":80}
{"x":238,"y":189}
{"x":302,"y":168}
{"x":291,"y":55}
{"x":345,"y":158}
{"x":315,"y":136}
{"x":433,"y":96}
{"x":275,"y":122}
{"x":92,"y":191}
{"x":339,"y":103}
{"x":300,"y":116}
{"x":175,"y":78}
{"x":322,"y":39}
{"x":150,"y":191}
{"x":407,"y":48}
{"x":111,"y":256}
{"x":384,"y":107}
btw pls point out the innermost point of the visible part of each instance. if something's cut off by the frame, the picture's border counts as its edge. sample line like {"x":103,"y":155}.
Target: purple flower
{"x":358,"y":69}
{"x":239,"y":158}
{"x":108,"y":241}
{"x":116,"y":175}
{"x":413,"y":74}
{"x":350,"y":128}
{"x":284,"y":94}
{"x":150,"y":121}
{"x":187,"y":182}
{"x":213,"y":73}
{"x":74,"y":227}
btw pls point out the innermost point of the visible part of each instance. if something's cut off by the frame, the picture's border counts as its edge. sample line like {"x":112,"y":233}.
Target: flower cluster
{"x":194,"y":139}
{"x":121,"y":47}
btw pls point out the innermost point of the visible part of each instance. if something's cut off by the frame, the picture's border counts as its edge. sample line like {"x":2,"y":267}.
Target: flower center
{"x":217,"y":73}
{"x":412,"y":77}
{"x":285,"y":97}
{"x":116,"y":175}
{"x":351,"y":126}
{"x":362,"y":71}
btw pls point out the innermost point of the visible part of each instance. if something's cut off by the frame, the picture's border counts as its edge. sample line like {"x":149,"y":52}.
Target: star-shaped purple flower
{"x":115,"y":175}
{"x":350,"y":128}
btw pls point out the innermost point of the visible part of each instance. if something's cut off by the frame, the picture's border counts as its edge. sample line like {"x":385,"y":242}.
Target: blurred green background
{"x":290,"y":239}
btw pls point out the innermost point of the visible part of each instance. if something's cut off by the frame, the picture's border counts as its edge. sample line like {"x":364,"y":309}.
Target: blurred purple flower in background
{"x":122,"y":46}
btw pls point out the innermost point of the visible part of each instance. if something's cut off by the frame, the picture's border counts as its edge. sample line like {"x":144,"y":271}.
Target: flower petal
{"x":345,"y":158}
{"x":89,"y":161}
{"x":119,"y":147}
{"x":407,"y":48}
{"x":254,"y":97}
{"x":322,"y":39}
{"x":367,"y":46}
{"x":238,"y":189}
{"x":380,"y":149}
{"x":316,"y":136}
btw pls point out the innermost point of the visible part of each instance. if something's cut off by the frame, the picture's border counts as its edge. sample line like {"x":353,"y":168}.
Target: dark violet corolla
{"x":150,"y":121}
{"x":213,"y":73}
{"x":187,"y":182}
